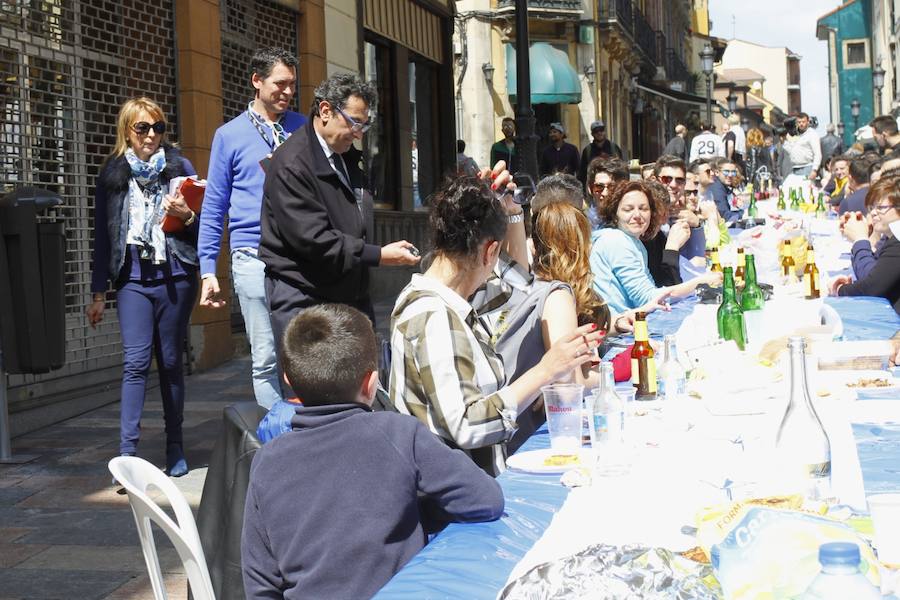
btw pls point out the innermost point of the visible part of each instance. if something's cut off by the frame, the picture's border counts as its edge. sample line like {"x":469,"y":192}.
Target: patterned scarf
{"x":145,"y":204}
{"x":278,"y":132}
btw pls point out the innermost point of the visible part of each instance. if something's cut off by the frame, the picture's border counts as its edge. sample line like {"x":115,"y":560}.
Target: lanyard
{"x":276,"y":141}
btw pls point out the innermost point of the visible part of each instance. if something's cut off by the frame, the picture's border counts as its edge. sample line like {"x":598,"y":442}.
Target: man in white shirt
{"x":804,"y":149}
{"x":706,"y":144}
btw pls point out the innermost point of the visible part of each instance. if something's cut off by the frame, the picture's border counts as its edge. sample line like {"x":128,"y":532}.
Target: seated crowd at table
{"x":495,"y":314}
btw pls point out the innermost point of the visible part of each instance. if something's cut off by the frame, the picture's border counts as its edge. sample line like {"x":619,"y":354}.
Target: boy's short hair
{"x":559,"y":187}
{"x":326,"y":351}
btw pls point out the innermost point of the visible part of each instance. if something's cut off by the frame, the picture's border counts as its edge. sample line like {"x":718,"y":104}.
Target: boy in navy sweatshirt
{"x":333,"y":506}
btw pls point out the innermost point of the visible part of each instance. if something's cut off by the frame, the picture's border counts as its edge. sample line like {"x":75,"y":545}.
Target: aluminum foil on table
{"x":604,"y":572}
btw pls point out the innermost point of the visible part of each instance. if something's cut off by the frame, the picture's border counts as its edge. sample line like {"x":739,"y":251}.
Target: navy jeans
{"x":153,"y":320}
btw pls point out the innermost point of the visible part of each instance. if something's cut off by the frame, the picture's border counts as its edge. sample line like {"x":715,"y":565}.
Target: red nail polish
{"x":593,"y":326}
{"x":602,"y":332}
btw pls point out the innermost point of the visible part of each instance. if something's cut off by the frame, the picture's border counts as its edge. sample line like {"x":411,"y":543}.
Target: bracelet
{"x":190,"y":220}
{"x":99,"y":298}
{"x":516,"y":218}
{"x":616,"y":324}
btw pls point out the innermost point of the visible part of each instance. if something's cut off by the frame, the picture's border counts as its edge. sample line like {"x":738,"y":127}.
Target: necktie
{"x":341,"y":169}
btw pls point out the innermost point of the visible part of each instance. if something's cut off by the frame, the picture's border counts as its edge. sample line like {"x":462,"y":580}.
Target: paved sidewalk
{"x":65,"y":532}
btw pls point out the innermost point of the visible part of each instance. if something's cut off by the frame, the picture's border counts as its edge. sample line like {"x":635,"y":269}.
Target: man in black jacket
{"x":317,"y":220}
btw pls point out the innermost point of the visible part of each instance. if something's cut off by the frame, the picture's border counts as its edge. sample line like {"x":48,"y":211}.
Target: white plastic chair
{"x":136,"y":475}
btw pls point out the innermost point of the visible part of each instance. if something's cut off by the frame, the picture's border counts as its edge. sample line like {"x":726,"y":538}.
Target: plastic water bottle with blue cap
{"x":841,"y":578}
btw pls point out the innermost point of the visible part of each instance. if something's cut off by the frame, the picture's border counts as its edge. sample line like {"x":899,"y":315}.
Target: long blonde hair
{"x":562,"y":239}
{"x":128,"y":115}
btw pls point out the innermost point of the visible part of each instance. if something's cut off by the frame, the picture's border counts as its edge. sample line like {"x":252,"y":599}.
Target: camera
{"x":790,"y":125}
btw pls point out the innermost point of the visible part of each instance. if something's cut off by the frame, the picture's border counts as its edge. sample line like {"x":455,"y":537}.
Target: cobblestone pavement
{"x":66,"y":532}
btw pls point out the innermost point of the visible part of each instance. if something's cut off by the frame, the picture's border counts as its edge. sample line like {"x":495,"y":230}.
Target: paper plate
{"x":533,"y":461}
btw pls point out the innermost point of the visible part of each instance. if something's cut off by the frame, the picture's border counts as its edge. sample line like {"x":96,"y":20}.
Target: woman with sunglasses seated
{"x":154,"y":273}
{"x":444,"y":369}
{"x":619,"y":259}
{"x":881,"y":278}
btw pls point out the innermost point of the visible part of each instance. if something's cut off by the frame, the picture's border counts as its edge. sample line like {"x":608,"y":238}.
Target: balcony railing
{"x":545,"y":5}
{"x":644,"y":36}
{"x":618,"y":10}
{"x":661,"y":49}
{"x":676,"y":68}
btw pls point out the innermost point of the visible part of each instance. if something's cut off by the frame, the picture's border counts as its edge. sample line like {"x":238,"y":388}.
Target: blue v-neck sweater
{"x":235,"y":186}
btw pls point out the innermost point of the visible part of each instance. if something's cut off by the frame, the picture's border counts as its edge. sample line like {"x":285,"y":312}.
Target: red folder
{"x":193,"y":190}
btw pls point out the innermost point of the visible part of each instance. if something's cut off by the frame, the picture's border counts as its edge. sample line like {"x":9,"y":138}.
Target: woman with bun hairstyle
{"x":153,"y":273}
{"x":444,"y":369}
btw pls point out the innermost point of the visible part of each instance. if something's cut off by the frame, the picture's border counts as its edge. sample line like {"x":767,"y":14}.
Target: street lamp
{"x":854,"y":111}
{"x":590,"y":73}
{"x":878,"y":81}
{"x":488,"y":70}
{"x":706,"y":63}
{"x":840,"y":128}
{"x":732,"y":101}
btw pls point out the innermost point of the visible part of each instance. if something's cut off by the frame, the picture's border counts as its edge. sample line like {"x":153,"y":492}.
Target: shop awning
{"x":553,"y":79}
{"x":675,"y":95}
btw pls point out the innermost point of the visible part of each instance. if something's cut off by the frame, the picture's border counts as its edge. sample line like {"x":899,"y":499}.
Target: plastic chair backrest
{"x":136,"y":475}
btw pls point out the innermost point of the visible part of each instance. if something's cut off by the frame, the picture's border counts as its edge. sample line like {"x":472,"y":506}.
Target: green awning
{"x":553,"y":80}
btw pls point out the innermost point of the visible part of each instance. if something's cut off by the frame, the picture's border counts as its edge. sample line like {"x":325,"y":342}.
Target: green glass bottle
{"x":752,"y":298}
{"x":781,"y":205}
{"x":752,"y":211}
{"x":730,"y":317}
{"x":795,"y":202}
{"x":821,"y":210}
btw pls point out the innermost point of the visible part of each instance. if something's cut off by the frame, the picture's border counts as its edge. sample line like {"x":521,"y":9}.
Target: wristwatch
{"x":190,"y":220}
{"x":516,"y":218}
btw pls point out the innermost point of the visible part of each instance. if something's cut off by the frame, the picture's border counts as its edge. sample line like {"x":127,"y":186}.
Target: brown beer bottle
{"x":714,"y":257}
{"x":811,"y":275}
{"x":787,"y":261}
{"x":643,"y":364}
{"x":739,"y":269}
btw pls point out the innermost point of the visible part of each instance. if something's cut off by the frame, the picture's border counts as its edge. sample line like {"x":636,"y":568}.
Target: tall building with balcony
{"x":644,"y":50}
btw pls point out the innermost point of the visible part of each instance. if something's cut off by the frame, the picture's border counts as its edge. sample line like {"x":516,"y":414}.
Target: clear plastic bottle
{"x":671,"y":374}
{"x":840,"y":578}
{"x":608,"y":424}
{"x":802,"y":445}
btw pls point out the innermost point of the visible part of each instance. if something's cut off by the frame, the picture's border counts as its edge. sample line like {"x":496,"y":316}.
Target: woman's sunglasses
{"x":143,"y":127}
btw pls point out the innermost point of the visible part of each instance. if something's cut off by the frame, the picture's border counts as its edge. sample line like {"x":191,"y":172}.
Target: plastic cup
{"x":562,"y":404}
{"x":885,"y":509}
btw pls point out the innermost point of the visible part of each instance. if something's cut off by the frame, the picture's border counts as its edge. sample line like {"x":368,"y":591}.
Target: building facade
{"x":68,"y":65}
{"x":778,"y":68}
{"x":626,"y":62}
{"x":848,"y":31}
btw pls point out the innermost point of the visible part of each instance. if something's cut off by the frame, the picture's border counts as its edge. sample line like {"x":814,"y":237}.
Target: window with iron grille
{"x":67,"y":66}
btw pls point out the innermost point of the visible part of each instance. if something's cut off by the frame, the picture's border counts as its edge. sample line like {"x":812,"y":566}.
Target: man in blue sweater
{"x":339,"y":504}
{"x":240,"y":150}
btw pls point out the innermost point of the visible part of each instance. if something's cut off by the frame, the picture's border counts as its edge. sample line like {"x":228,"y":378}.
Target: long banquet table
{"x":473,"y":561}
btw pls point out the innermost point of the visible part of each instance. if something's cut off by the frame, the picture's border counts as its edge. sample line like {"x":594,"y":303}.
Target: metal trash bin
{"x":32,"y":282}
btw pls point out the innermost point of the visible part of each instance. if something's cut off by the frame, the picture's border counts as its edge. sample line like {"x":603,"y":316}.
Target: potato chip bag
{"x":773,"y":552}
